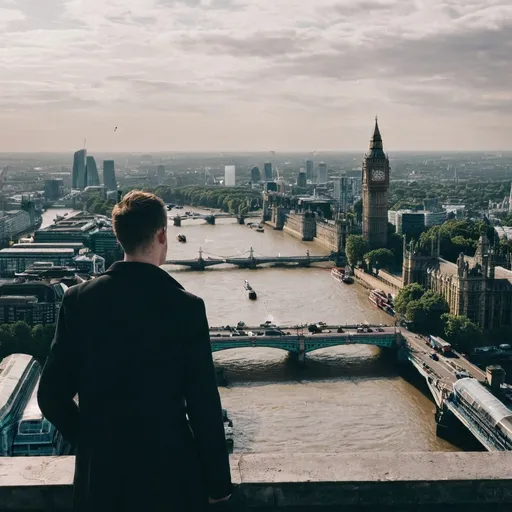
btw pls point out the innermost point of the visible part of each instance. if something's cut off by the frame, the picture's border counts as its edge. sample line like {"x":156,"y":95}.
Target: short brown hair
{"x":137,"y":218}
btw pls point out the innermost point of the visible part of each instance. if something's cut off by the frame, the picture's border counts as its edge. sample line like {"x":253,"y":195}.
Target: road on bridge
{"x":446,"y":367}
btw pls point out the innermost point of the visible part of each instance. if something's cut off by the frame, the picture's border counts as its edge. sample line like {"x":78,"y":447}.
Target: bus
{"x":440,"y":345}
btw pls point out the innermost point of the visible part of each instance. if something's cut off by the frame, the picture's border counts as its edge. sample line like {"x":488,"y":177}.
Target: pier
{"x":252,"y":261}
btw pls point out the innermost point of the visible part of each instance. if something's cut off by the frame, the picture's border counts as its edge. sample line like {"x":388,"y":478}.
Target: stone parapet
{"x":366,"y":481}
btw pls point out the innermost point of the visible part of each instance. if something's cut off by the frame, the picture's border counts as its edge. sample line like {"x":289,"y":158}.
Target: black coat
{"x":135,"y":346}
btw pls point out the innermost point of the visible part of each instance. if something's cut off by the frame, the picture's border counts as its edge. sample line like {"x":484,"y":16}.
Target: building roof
{"x":11,"y":371}
{"x":30,"y":252}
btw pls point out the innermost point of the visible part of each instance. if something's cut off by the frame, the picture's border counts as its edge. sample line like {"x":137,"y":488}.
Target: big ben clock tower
{"x":375,"y":193}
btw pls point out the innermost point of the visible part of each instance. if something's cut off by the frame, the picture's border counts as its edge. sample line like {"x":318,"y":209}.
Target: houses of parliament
{"x":473,"y":286}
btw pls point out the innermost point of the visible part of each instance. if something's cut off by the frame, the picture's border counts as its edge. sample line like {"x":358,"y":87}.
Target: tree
{"x":461,"y":332}
{"x":434,"y":307}
{"x":411,"y":292}
{"x":379,"y":258}
{"x":355,"y":248}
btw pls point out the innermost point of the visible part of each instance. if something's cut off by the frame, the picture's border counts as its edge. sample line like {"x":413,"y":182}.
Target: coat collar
{"x":142,"y":269}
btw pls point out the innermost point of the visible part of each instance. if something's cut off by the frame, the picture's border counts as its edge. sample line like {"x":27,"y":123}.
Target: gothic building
{"x":375,"y":192}
{"x":473,"y":286}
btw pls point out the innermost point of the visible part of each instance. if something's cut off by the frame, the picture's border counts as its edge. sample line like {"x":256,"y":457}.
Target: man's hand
{"x":211,"y":501}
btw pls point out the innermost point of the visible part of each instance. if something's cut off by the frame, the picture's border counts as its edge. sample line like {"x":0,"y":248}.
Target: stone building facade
{"x":473,"y":286}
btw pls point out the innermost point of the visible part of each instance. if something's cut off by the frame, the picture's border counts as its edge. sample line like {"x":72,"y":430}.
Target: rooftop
{"x":11,"y":370}
{"x":22,"y":252}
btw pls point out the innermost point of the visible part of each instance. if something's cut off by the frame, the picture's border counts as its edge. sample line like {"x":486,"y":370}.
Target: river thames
{"x":345,"y":399}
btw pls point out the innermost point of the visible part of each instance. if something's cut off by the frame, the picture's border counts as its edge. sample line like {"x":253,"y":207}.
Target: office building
{"x":35,"y":302}
{"x":255,"y":174}
{"x":53,"y":189}
{"x":309,"y":170}
{"x":13,"y":261}
{"x":94,"y":231}
{"x":322,"y":174}
{"x":301,"y":179}
{"x":435,"y":218}
{"x":12,"y":224}
{"x":375,"y":179}
{"x":109,"y":175}
{"x":229,"y":176}
{"x":344,"y":188}
{"x":79,"y":175}
{"x":267,"y":169}
{"x":410,"y":223}
{"x":91,"y":172}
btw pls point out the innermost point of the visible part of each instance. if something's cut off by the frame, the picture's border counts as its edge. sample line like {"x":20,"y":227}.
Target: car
{"x":369,"y":330}
{"x":380,"y":329}
{"x":340,"y":329}
{"x":434,"y":356}
{"x":359,"y":329}
{"x":462,"y":375}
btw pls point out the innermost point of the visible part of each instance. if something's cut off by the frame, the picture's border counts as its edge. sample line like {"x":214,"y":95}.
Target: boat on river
{"x":383,"y":301}
{"x":251,"y":293}
{"x":342,"y":275}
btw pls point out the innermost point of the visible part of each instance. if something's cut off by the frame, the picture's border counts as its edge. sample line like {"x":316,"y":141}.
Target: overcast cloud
{"x":255,"y":74}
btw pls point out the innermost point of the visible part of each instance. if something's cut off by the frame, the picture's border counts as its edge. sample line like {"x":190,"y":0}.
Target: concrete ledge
{"x":314,"y":482}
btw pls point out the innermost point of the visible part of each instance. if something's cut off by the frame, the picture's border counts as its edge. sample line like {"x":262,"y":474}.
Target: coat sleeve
{"x":59,"y":379}
{"x":204,"y":407}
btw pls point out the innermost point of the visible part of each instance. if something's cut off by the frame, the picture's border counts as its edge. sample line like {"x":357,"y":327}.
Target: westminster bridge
{"x":299,"y":341}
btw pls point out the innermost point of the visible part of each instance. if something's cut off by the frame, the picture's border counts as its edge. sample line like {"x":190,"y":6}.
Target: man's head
{"x":140,"y":224}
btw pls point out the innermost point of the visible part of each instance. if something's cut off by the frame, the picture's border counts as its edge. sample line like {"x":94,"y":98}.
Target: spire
{"x":376,"y":142}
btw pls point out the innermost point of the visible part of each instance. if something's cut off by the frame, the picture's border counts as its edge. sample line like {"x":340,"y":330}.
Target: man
{"x":135,"y":347}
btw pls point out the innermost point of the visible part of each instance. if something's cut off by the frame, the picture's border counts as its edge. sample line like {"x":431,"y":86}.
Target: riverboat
{"x":250,"y":291}
{"x":383,"y":301}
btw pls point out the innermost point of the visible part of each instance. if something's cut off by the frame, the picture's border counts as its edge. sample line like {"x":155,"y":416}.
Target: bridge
{"x":252,"y":261}
{"x":440,"y":377}
{"x":211,"y":217}
{"x":300,"y":343}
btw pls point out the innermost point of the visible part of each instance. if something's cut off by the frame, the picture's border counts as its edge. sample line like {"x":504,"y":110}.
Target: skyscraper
{"x":322,"y":174}
{"x":510,"y":199}
{"x":78,"y":176}
{"x":267,"y":167}
{"x":344,"y":192}
{"x":301,"y":179}
{"x":255,"y":174}
{"x":309,"y":170}
{"x":109,"y":175}
{"x":229,"y":175}
{"x":375,"y":177}
{"x":91,"y":172}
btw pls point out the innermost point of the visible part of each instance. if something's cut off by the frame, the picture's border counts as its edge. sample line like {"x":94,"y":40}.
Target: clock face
{"x":378,"y":175}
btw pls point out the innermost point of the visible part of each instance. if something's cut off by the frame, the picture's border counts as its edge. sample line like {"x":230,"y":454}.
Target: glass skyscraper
{"x":109,"y":175}
{"x":79,"y":177}
{"x":91,"y":172}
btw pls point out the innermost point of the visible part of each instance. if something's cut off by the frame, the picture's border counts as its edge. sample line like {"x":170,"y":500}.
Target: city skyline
{"x":226,"y":75}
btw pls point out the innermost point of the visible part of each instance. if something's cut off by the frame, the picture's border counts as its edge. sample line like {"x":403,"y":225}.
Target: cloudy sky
{"x":255,"y":74}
